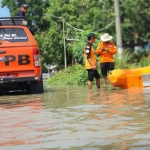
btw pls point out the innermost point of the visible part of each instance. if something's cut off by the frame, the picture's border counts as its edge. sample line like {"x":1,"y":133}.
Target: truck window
{"x":13,"y":35}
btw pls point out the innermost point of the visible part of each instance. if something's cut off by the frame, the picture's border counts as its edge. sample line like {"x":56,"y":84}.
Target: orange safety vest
{"x":89,"y":50}
{"x":106,"y":56}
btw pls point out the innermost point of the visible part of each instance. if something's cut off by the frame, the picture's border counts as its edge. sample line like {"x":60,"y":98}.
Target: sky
{"x":4,"y":12}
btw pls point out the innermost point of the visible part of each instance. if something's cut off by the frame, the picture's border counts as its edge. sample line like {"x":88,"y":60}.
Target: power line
{"x":94,"y":31}
{"x":73,"y":27}
{"x":105,"y":26}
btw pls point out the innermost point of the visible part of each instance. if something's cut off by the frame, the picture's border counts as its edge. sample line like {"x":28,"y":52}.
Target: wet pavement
{"x":74,"y":118}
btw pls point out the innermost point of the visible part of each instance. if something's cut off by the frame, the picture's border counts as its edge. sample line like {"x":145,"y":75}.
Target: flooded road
{"x":74,"y":118}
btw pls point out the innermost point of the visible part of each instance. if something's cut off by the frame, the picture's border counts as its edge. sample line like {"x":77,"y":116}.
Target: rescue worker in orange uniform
{"x":106,"y":49}
{"x":90,"y":61}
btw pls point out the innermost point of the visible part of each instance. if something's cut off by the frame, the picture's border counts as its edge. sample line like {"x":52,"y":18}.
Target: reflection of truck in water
{"x":19,"y":57}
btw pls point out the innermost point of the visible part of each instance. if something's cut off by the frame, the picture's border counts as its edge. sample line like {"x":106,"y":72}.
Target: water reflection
{"x":125,"y":112}
{"x":18,"y":113}
{"x":74,"y":118}
{"x":62,"y":97}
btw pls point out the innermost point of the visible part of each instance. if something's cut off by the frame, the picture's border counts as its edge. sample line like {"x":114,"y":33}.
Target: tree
{"x":89,"y":16}
{"x":86,"y":15}
{"x":135,"y":19}
{"x":36,"y":9}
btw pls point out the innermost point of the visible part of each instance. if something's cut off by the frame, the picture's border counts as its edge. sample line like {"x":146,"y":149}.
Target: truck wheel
{"x":37,"y":87}
{"x":4,"y":91}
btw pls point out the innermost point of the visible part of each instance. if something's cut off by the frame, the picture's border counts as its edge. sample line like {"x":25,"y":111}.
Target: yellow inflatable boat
{"x":130,"y":78}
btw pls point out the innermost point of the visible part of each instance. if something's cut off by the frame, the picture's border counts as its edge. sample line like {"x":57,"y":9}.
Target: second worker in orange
{"x":106,"y":49}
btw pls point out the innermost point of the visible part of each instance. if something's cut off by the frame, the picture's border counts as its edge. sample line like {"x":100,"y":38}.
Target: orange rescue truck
{"x":130,"y":78}
{"x":20,"y":65}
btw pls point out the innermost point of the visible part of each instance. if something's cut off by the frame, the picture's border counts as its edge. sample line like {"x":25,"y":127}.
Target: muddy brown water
{"x":74,"y":118}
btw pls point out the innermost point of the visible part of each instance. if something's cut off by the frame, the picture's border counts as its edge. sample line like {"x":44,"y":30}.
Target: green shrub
{"x":75,"y":75}
{"x":122,"y":61}
{"x":139,"y":55}
{"x":145,"y":61}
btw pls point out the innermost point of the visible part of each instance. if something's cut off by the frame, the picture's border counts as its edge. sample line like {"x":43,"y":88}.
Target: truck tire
{"x":37,"y":87}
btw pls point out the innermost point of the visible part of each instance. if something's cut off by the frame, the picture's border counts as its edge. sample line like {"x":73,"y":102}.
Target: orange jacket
{"x":106,"y":56}
{"x":89,"y":52}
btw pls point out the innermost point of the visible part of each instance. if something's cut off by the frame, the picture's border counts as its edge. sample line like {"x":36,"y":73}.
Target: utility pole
{"x":64,"y":39}
{"x":118,"y":28}
{"x":65,"y":59}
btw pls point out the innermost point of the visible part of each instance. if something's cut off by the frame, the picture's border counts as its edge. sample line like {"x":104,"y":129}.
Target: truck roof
{"x":13,"y":21}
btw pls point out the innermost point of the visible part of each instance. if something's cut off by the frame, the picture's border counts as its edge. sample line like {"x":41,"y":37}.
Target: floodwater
{"x":73,"y":118}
